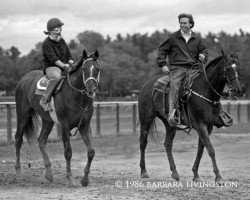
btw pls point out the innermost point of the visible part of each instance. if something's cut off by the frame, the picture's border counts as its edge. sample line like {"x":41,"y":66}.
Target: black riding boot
{"x":224,"y":119}
{"x":174,"y":116}
{"x":44,"y":102}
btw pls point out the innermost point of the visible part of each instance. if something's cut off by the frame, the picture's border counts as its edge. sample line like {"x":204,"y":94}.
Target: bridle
{"x":229,"y":82}
{"x":84,"y":90}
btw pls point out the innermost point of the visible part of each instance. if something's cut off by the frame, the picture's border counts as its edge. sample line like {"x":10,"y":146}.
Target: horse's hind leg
{"x":87,"y":138}
{"x":146,"y":122}
{"x":42,"y":140}
{"x":23,"y":117}
{"x":170,"y":134}
{"x":18,"y":143}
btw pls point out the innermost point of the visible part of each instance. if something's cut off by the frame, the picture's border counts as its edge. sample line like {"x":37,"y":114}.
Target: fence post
{"x":9,"y":123}
{"x":98,"y":120}
{"x":238,"y":113}
{"x":117,"y":120}
{"x":134,"y":118}
{"x":248,"y":112}
{"x":228,"y":108}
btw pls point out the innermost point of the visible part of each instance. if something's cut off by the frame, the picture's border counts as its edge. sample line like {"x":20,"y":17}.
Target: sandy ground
{"x":115,"y":172}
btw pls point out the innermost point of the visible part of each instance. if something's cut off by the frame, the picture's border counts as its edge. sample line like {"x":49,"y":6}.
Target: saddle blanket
{"x":43,"y":83}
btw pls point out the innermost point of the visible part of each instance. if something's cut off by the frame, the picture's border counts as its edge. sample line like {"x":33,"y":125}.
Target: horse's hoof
{"x":18,"y":169}
{"x":85,"y":182}
{"x":196,"y":179}
{"x":144,"y":175}
{"x":175,"y":176}
{"x":71,"y":183}
{"x":49,"y":176}
{"x":220,"y":181}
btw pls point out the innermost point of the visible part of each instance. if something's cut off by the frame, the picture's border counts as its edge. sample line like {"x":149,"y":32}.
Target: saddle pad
{"x":43,"y":83}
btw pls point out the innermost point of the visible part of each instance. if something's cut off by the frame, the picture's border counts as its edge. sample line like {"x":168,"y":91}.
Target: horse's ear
{"x":84,"y":54}
{"x":223,"y":52}
{"x":236,"y":53}
{"x":96,"y":54}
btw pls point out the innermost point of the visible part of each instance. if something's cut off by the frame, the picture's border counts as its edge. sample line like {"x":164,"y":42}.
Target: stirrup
{"x":45,"y":105}
{"x":226,"y":118}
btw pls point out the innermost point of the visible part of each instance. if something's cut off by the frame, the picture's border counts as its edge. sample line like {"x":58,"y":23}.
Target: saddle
{"x":43,"y":83}
{"x":162,"y":85}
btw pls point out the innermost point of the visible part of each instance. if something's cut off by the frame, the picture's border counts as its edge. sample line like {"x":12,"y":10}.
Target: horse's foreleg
{"x":42,"y":140}
{"x":204,"y":136}
{"x":87,"y":138}
{"x":197,"y":161}
{"x":170,"y":134}
{"x":67,"y":152}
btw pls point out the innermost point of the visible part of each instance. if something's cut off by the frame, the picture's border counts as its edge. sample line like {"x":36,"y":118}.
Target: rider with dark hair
{"x":184,"y":49}
{"x":56,"y":58}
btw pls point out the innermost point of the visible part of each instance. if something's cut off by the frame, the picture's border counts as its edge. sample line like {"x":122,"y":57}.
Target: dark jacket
{"x":179,"y":52}
{"x":54,"y":51}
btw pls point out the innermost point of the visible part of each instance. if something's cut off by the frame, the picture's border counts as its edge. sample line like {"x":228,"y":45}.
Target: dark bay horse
{"x":73,"y":107}
{"x":202,"y":106}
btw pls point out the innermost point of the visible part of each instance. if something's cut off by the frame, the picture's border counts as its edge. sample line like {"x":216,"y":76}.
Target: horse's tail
{"x":153,"y":132}
{"x":31,"y":128}
{"x":27,"y":120}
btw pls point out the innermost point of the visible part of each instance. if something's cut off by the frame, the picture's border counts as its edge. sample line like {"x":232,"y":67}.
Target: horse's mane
{"x":77,"y":64}
{"x":80,"y":60}
{"x":214,"y":62}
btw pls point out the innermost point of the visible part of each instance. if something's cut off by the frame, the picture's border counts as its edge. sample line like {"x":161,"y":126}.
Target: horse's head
{"x":231,"y":72}
{"x":90,"y":73}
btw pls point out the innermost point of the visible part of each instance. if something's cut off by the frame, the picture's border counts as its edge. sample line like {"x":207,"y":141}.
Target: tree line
{"x":126,"y":61}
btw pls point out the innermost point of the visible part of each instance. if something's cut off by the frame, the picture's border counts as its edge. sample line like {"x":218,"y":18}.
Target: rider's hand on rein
{"x":165,"y":69}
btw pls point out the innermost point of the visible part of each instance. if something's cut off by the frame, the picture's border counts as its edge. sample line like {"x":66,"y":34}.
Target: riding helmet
{"x":54,"y":23}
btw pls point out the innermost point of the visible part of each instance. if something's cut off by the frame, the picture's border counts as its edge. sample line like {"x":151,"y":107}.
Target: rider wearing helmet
{"x":56,"y":58}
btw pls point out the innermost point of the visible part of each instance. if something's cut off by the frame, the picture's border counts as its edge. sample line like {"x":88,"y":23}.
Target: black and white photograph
{"x":135,"y":99}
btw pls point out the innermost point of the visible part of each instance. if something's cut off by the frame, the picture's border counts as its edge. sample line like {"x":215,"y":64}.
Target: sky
{"x":22,"y":22}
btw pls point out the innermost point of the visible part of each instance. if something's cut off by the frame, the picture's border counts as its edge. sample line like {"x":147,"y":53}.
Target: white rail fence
{"x":106,"y":113}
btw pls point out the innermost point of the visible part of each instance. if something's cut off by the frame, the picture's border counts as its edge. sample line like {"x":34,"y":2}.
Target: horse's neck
{"x":75,"y":82}
{"x":216,"y":82}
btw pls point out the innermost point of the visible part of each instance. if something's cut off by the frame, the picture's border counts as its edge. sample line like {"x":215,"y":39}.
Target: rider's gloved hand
{"x":165,"y":69}
{"x":202,"y":57}
{"x":66,"y":67}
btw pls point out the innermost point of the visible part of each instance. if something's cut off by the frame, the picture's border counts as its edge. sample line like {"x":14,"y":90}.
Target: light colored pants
{"x":53,"y":72}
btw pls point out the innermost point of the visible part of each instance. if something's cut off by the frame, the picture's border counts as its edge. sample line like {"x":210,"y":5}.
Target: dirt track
{"x":117,"y":159}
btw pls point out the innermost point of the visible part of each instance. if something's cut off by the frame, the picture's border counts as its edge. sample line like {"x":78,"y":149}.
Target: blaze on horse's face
{"x":91,"y":73}
{"x":231,"y":72}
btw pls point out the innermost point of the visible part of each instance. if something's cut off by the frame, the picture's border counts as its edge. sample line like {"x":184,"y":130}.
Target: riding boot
{"x":44,"y":102}
{"x":224,"y":119}
{"x":174,"y":117}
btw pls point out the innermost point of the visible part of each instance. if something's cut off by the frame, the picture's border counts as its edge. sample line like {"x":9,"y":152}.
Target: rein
{"x":84,"y":110}
{"x":221,"y":96}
